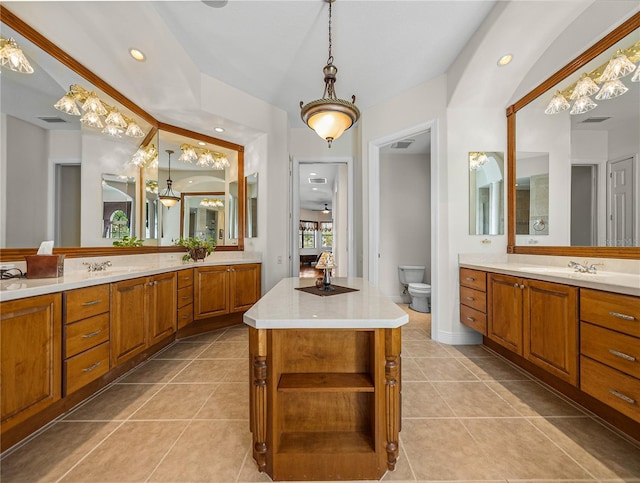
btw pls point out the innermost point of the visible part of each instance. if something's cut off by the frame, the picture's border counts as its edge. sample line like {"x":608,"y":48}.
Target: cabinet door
{"x":505,"y":311}
{"x":551,"y":328}
{"x":211,"y":292}
{"x":128,"y":319}
{"x":162,"y":307}
{"x":244,"y":281}
{"x":31,"y":359}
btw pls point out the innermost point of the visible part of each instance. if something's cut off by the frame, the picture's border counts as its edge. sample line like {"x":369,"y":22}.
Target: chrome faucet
{"x":584,"y":267}
{"x":97,"y":266}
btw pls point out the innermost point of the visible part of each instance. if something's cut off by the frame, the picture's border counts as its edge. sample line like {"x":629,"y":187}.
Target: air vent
{"x":51,"y":119}
{"x":596,"y":119}
{"x":318,"y":180}
{"x":404,"y":144}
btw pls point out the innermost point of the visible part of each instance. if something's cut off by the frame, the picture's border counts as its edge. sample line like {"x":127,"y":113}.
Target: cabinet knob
{"x":522,"y":287}
{"x":515,"y":285}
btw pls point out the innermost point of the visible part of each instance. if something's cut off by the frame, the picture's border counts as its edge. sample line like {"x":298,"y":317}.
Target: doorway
{"x":621,"y":202}
{"x":583,"y":224}
{"x":67,"y":205}
{"x":322,"y":215}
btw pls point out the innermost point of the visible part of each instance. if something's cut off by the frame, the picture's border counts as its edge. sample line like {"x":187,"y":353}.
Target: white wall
{"x":405,"y":218}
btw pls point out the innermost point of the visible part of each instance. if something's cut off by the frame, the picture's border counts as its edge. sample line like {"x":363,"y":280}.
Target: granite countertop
{"x":612,"y":275}
{"x":127,"y":268}
{"x":284,"y":307}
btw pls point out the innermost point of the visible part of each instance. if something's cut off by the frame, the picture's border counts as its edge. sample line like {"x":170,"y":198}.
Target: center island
{"x":325,"y":381}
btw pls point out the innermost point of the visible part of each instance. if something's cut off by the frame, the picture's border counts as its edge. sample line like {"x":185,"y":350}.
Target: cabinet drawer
{"x":185,"y":278}
{"x":86,"y":367}
{"x":473,"y":318}
{"x":86,"y":302}
{"x":86,"y":334}
{"x":614,"y":311}
{"x":185,"y":296}
{"x":473,"y":298}
{"x":617,"y":350}
{"x":612,"y":387}
{"x":475,"y":279}
{"x":185,"y":315}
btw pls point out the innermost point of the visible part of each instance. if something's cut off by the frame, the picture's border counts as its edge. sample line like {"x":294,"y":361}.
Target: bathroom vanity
{"x":325,"y":382}
{"x":577,"y":332}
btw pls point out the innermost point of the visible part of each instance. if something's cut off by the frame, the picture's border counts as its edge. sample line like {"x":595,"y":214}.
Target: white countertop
{"x":283,"y":307}
{"x":612,"y":275}
{"x":123,"y":268}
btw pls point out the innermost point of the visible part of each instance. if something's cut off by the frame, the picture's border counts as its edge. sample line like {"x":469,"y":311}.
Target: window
{"x":119,"y":225}
{"x":307,"y":234}
{"x":326,"y":234}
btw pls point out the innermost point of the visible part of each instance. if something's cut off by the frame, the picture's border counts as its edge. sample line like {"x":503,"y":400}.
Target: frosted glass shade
{"x":330,"y":124}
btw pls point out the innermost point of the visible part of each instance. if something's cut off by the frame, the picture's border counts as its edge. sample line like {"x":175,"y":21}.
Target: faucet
{"x":97,"y":266}
{"x":584,"y":267}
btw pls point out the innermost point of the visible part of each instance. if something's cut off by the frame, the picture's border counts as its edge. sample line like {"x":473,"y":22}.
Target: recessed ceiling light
{"x":218,"y":129}
{"x":201,"y":143}
{"x":505,"y":59}
{"x":191,"y":181}
{"x":314,"y":189}
{"x":137,"y":54}
{"x":313,"y":174}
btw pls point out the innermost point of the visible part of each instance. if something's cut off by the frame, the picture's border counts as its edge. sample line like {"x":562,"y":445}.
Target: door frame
{"x":635,"y":186}
{"x":294,"y":216}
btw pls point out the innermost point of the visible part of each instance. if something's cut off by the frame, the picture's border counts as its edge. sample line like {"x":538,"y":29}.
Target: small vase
{"x":198,"y":253}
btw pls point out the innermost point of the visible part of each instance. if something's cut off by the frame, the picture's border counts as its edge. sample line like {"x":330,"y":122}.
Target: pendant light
{"x":329,"y":117}
{"x":168,"y":198}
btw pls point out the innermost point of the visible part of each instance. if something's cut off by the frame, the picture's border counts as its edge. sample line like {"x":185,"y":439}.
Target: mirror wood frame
{"x":17,"y":254}
{"x":603,"y":252}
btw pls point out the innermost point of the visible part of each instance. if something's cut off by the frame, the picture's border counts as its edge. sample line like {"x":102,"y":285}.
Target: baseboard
{"x":459,"y":338}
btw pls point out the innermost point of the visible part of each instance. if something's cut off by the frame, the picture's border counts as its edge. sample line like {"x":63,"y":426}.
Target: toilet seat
{"x":420,"y":287}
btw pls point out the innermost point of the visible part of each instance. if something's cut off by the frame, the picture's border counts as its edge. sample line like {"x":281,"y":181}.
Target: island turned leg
{"x":392,"y":394}
{"x":259,"y":399}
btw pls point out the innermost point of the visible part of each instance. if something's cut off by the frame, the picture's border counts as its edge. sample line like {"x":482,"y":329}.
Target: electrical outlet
{"x":279,"y":259}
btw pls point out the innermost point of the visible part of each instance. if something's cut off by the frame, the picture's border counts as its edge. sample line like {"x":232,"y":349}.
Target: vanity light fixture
{"x":11,"y":56}
{"x":505,"y":59}
{"x":137,"y":55}
{"x":329,"y":117}
{"x":146,"y":157}
{"x":603,"y":80}
{"x":212,"y":203}
{"x":168,"y":198}
{"x":116,"y":123}
{"x":477,"y":159}
{"x":204,"y":158}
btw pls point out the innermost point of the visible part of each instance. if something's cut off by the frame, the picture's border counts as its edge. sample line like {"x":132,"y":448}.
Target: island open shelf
{"x":325,"y":401}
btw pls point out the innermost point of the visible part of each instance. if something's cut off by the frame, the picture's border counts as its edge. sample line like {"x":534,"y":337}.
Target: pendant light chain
{"x":330,"y":59}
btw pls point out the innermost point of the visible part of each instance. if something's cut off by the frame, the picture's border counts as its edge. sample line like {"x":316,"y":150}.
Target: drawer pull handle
{"x":471,"y":319}
{"x":470,"y":279}
{"x":185,"y":316}
{"x":622,"y":316}
{"x":93,"y":302}
{"x":622,"y":396}
{"x":186,"y":278}
{"x":470,"y":298}
{"x":92,"y":367}
{"x":626,"y":357}
{"x":92,"y":334}
{"x":184,"y":297}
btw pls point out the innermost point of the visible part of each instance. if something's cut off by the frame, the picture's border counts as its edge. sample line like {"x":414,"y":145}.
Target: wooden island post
{"x":325,"y":382}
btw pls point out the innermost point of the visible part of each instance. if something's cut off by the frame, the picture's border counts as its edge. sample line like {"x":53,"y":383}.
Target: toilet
{"x":411,"y":277}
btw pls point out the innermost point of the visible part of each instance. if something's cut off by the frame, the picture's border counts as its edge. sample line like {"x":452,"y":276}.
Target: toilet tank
{"x":411,"y":273}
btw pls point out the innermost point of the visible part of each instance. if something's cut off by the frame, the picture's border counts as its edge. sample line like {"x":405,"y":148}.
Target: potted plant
{"x":128,"y":241}
{"x":197,"y":248}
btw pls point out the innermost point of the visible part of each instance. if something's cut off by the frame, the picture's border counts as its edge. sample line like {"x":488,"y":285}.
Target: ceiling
{"x":273,"y":50}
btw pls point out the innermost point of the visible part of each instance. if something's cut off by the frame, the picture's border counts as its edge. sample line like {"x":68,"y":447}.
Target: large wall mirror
{"x":574,"y":155}
{"x":67,"y":175}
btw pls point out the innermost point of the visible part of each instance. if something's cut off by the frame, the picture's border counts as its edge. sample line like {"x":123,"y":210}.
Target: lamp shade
{"x":168,"y":200}
{"x":328,"y":122}
{"x":326,"y":261}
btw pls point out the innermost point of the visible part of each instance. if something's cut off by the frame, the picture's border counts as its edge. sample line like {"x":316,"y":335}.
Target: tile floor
{"x":183,"y":417}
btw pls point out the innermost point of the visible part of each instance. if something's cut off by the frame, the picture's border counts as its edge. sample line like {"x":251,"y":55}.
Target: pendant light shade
{"x":329,"y":117}
{"x":168,"y":198}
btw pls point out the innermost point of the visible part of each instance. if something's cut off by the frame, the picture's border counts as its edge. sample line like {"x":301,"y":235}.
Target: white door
{"x":621,"y":202}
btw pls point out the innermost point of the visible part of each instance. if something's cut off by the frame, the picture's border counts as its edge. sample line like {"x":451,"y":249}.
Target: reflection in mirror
{"x":203,"y":216}
{"x":49,"y":153}
{"x":592,"y":150}
{"x":118,"y":205}
{"x":486,"y":193}
{"x":197,"y":168}
{"x":532,"y":193}
{"x":251,"y":206}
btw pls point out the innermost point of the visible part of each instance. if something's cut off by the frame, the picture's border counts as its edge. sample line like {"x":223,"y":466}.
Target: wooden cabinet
{"x":224,"y":289}
{"x":537,"y":320}
{"x":86,"y":336}
{"x":143,"y":313}
{"x":505,"y":309}
{"x":30,"y":357}
{"x":610,"y":349}
{"x":185,"y":297}
{"x":473,"y":299}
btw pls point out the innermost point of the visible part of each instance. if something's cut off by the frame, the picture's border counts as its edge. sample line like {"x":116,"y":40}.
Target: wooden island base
{"x":325,"y":403}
